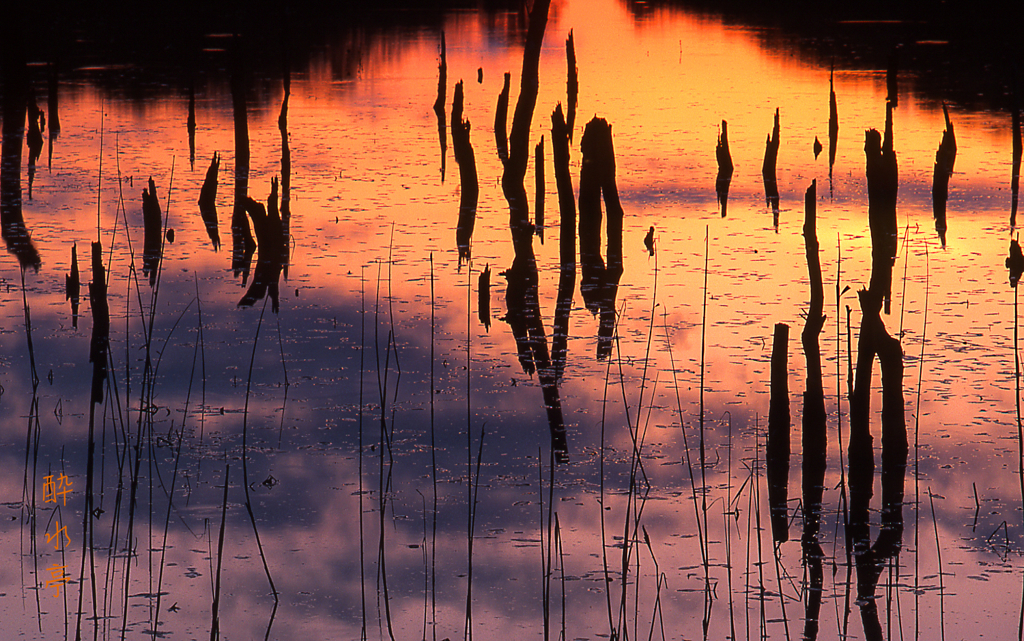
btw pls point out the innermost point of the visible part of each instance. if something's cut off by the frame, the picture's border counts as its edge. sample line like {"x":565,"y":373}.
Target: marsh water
{"x":398,"y":411}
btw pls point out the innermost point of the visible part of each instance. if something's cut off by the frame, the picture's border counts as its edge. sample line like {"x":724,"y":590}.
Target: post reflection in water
{"x":470,"y":186}
{"x":600,"y":282}
{"x":628,"y":352}
{"x":270,"y":240}
{"x":814,"y":424}
{"x":208,"y":202}
{"x":769,"y":173}
{"x":725,"y":167}
{"x":153,"y":223}
{"x":243,"y":245}
{"x":15,"y":104}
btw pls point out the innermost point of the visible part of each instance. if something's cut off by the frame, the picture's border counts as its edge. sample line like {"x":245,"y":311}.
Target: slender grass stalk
{"x":657,"y":614}
{"x":384,"y":478}
{"x":777,"y":553}
{"x":728,"y":514}
{"x":468,"y":621}
{"x":938,"y":556}
{"x":474,"y":485}
{"x":170,"y":499}
{"x":839,"y":402}
{"x":906,"y":265}
{"x":917,"y":459}
{"x":362,"y":537}
{"x":31,"y":444}
{"x":433,"y":462}
{"x":686,"y":444}
{"x":751,"y":510}
{"x":1020,"y":426}
{"x":604,"y":541}
{"x":215,"y":608}
{"x":245,"y":464}
{"x":544,"y":557}
{"x":1020,"y":439}
{"x":634,"y":503}
{"x":703,"y":456}
{"x":759,"y":530}
{"x":99,"y":175}
{"x":426,"y":561}
{"x":561,"y":572}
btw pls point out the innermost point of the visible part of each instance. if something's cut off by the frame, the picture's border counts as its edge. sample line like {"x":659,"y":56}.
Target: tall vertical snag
{"x":883,"y":187}
{"x":538,"y":212}
{"x":286,"y":154}
{"x":768,"y":171}
{"x":560,"y":134}
{"x":572,"y":84}
{"x":501,"y":120}
{"x":945,"y":158}
{"x":1018,"y":151}
{"x":725,"y":167}
{"x":208,"y":201}
{"x":442,"y":88}
{"x":243,"y":244}
{"x":814,"y":433}
{"x":191,"y":124}
{"x":467,"y":176}
{"x":833,"y":124}
{"x":892,"y":94}
{"x":777,"y":449}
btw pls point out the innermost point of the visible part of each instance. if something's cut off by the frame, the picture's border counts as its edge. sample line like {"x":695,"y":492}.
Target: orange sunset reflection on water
{"x":369,"y":391}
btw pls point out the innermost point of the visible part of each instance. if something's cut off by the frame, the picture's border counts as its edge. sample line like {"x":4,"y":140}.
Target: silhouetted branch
{"x":208,"y":201}
{"x":768,"y":170}
{"x":725,"y":167}
{"x":467,"y":175}
{"x":945,"y":158}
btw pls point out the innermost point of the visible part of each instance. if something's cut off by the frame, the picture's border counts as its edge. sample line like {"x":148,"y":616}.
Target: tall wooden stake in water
{"x":777,"y":447}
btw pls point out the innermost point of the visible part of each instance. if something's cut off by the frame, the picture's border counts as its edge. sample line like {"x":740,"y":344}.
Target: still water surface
{"x":398,"y":456}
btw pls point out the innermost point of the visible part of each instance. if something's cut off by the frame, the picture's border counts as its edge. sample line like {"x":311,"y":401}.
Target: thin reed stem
{"x":433,"y":463}
{"x":917,"y":434}
{"x":215,"y":608}
{"x":245,"y":464}
{"x":362,"y":537}
{"x":703,"y":456}
{"x":938,"y":556}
